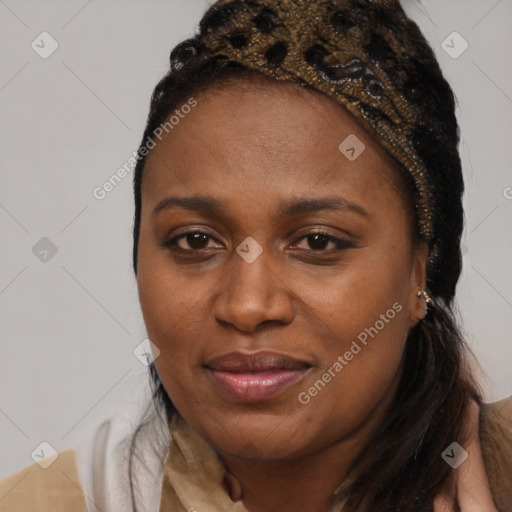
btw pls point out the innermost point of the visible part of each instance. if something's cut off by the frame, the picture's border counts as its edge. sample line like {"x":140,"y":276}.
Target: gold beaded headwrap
{"x":371,"y":58}
{"x":341,"y":51}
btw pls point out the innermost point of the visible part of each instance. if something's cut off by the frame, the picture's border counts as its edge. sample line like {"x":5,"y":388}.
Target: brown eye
{"x":196,"y":240}
{"x":319,"y":241}
{"x":192,"y":241}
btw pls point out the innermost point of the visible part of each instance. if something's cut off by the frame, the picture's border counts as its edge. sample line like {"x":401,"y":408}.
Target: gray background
{"x":69,"y":324}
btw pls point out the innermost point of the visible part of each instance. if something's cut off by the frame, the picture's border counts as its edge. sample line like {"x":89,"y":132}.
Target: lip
{"x":255,"y":377}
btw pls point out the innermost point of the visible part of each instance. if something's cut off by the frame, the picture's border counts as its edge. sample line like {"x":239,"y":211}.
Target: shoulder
{"x":496,"y":442}
{"x":496,"y":422}
{"x":94,"y":476}
{"x":501,"y":408}
{"x":40,"y":486}
{"x":122,"y":456}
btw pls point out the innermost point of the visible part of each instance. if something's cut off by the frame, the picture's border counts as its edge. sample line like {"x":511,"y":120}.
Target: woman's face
{"x":325,"y":317}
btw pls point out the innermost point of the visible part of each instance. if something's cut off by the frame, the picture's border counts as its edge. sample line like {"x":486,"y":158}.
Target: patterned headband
{"x":359,"y":52}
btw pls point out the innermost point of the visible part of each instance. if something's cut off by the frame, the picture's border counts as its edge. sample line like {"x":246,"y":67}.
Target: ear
{"x":417,"y":305}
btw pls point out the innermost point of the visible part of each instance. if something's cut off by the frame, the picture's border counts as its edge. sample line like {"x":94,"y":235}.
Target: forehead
{"x":264,"y":135}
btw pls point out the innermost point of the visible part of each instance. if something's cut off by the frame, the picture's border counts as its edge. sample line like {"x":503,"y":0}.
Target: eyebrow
{"x":210,"y":206}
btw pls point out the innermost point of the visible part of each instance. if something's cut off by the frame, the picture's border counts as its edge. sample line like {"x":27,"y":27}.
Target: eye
{"x":196,"y":240}
{"x":319,"y":240}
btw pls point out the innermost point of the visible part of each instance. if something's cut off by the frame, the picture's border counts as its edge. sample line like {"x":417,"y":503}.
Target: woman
{"x":296,"y":245}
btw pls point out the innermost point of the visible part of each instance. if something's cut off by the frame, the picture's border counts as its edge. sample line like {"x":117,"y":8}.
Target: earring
{"x":423,"y":293}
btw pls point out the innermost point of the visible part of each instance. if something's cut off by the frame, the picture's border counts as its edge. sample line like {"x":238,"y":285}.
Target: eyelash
{"x":339,"y":243}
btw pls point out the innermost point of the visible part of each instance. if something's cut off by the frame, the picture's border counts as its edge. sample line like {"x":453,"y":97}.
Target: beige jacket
{"x":193,"y":477}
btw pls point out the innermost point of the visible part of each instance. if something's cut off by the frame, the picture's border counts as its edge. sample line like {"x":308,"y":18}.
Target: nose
{"x":253,"y":294}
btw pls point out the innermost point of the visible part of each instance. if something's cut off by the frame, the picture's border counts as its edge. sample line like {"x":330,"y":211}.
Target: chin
{"x":258,"y":435}
{"x":257,"y":448}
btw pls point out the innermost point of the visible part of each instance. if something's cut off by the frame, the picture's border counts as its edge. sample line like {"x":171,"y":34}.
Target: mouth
{"x":255,"y":377}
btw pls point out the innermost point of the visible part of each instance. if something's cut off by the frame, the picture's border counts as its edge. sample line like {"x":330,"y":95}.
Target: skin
{"x":255,"y":145}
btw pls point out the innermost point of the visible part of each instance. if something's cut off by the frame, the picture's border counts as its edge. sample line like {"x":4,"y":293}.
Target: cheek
{"x":173,"y":315}
{"x":176,"y":304}
{"x":365,"y":318}
{"x":360,"y":373}
{"x":169,"y":301}
{"x":173,"y":324}
{"x":354,"y":296}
